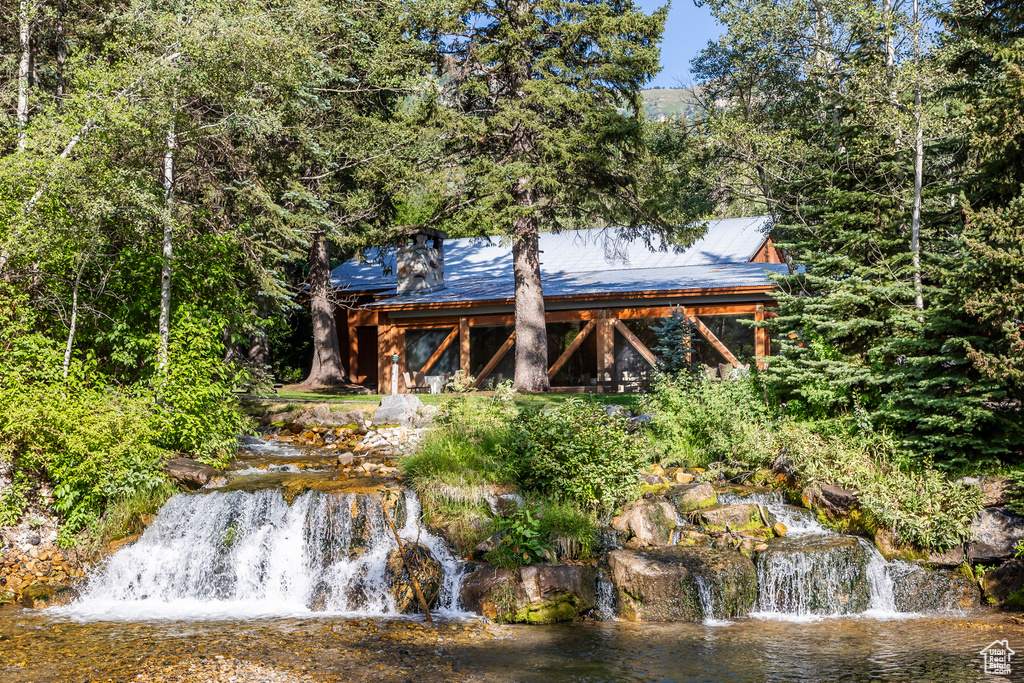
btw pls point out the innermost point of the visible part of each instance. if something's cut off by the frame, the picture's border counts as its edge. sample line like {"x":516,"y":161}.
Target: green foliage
{"x":676,"y":335}
{"x":576,"y":453}
{"x":95,"y":444}
{"x":124,"y":516}
{"x":698,"y":421}
{"x":522,"y":541}
{"x":198,"y":415}
{"x":728,"y":422}
{"x":569,"y":530}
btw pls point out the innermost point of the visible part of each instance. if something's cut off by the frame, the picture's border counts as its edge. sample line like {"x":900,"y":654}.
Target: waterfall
{"x":605,"y":597}
{"x":245,"y":554}
{"x":707,"y":604}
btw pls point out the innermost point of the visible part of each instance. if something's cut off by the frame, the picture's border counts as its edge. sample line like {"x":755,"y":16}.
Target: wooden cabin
{"x":443,"y":305}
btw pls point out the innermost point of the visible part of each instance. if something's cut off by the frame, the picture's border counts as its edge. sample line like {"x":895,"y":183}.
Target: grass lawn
{"x":367,"y":402}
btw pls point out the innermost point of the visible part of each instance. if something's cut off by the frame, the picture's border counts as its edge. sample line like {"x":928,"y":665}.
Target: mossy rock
{"x":691,"y":497}
{"x":562,"y":607}
{"x":742,"y":517}
{"x":40,"y":596}
{"x":664,"y":584}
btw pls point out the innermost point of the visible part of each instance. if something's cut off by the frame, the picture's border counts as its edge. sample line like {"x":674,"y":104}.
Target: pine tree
{"x":676,"y":335}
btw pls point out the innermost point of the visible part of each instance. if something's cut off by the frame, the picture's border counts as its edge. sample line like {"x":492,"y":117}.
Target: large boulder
{"x":691,"y":497}
{"x":406,"y":410}
{"x":649,"y":521}
{"x":994,"y":531}
{"x":423,"y":567}
{"x":189,"y":473}
{"x":682,"y":584}
{"x":916,"y":589}
{"x":1005,"y":584}
{"x":739,"y":517}
{"x":535,"y":594}
{"x":321,"y":414}
{"x":995,"y":491}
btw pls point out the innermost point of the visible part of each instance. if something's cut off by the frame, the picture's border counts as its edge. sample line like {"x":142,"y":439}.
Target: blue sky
{"x":687,"y":31}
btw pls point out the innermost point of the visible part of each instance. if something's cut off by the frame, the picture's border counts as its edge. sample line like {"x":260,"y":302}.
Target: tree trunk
{"x":74,"y":320}
{"x":915,"y":218}
{"x":531,"y":372}
{"x":168,"y":242}
{"x":62,"y":52}
{"x":327,"y":367}
{"x":24,"y":69}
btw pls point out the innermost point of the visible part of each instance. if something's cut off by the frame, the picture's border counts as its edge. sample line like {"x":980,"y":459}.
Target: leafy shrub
{"x":522,"y":540}
{"x":568,"y":530}
{"x":576,"y":453}
{"x":698,"y":421}
{"x":198,"y":414}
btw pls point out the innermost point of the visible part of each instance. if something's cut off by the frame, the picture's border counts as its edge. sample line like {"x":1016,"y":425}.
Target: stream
{"x":285,"y":565}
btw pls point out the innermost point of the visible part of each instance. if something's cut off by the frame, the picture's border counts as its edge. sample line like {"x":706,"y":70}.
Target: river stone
{"x":535,"y":594}
{"x":690,"y":497}
{"x":808,"y":575}
{"x":649,"y":521}
{"x":662,"y":584}
{"x":739,"y":517}
{"x":189,"y":473}
{"x":916,"y":589}
{"x":993,"y":534}
{"x":39,"y":596}
{"x":406,"y":410}
{"x":1004,"y":581}
{"x":425,"y":569}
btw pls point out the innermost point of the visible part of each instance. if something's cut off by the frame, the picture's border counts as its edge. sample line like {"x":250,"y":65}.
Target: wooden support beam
{"x":762,"y":342}
{"x":605,"y":350}
{"x":494,"y":361}
{"x":635,"y":342}
{"x":710,"y":336}
{"x":491,"y":320}
{"x":354,"y":370}
{"x":385,"y":348}
{"x":464,"y":345}
{"x":553,"y":370}
{"x":436,"y":356}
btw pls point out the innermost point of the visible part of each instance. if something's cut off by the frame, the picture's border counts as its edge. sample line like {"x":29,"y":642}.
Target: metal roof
{"x":502,"y":288}
{"x":578,"y":262}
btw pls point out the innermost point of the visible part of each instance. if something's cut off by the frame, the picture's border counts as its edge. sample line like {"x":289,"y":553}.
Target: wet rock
{"x":490,"y":591}
{"x":556,"y":592}
{"x":649,"y":521}
{"x":739,"y":517}
{"x":406,"y":410}
{"x":40,"y":596}
{"x":189,"y":473}
{"x":423,"y":567}
{"x":345,"y":459}
{"x":916,"y":589}
{"x":662,"y":584}
{"x":690,"y":497}
{"x":994,"y":531}
{"x":823,"y":575}
{"x":780,"y":529}
{"x":835,"y":501}
{"x":536,"y":594}
{"x":892,"y":549}
{"x":247,"y":440}
{"x":1004,"y":585}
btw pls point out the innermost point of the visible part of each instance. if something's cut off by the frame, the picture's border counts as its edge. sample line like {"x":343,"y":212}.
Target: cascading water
{"x":605,"y":597}
{"x":706,"y":596}
{"x":814,"y":572}
{"x":244,"y":554}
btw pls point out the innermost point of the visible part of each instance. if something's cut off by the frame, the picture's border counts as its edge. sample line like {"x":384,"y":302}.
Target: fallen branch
{"x":401,"y":551}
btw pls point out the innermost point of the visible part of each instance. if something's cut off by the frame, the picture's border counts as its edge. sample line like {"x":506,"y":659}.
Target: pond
{"x":37,"y":646}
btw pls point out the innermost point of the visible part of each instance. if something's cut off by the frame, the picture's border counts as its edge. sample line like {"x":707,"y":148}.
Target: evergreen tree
{"x":541,"y":106}
{"x":676,"y":335}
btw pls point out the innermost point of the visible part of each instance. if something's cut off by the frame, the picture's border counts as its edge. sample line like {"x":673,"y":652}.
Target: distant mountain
{"x":666,"y":103}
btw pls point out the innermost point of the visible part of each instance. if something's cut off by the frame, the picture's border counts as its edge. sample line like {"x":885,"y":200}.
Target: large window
{"x":420,"y":345}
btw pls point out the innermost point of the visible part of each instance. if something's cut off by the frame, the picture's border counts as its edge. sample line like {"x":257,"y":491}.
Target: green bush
{"x":698,"y":421}
{"x":95,"y":443}
{"x":568,"y":530}
{"x":576,"y":453}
